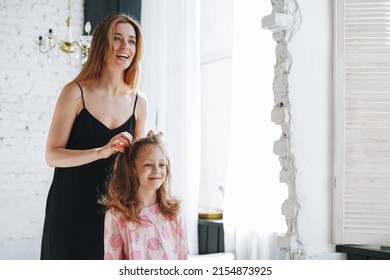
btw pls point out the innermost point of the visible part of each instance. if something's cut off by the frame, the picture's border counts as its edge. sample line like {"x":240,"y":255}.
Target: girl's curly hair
{"x":124,"y":183}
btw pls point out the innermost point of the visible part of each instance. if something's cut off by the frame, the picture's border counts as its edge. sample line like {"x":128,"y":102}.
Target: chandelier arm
{"x":42,"y":50}
{"x":51,"y":44}
{"x":81,"y":47}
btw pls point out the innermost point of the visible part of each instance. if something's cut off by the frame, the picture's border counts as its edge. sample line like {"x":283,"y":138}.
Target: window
{"x":362,"y":122}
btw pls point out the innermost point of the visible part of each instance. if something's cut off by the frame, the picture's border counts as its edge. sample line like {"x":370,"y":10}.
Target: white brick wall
{"x":29,"y":86}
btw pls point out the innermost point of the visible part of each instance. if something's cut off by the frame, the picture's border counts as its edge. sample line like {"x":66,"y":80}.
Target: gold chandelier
{"x":47,"y":43}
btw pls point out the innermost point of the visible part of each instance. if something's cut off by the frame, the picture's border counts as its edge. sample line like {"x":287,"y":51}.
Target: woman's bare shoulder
{"x":70,"y":98}
{"x":71,"y":91}
{"x":140,"y":94}
{"x":76,"y":87}
{"x":142,"y":98}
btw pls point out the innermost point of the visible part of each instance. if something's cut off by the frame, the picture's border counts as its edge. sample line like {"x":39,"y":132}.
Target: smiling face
{"x":151,"y":167}
{"x":124,"y":43}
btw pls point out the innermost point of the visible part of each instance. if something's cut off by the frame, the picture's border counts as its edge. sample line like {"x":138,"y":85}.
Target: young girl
{"x":143,"y":219}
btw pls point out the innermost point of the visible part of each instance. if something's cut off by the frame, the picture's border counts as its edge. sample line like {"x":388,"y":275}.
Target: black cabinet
{"x":211,"y":236}
{"x":356,"y":252}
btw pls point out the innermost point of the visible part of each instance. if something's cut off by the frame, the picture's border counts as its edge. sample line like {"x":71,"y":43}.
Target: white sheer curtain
{"x":253,"y":198}
{"x":171,"y":80}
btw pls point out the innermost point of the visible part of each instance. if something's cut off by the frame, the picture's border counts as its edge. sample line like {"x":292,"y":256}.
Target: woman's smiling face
{"x":124,"y":43}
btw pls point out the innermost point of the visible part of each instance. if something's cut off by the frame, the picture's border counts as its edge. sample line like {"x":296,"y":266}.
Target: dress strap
{"x":82,"y":93}
{"x":135,"y":102}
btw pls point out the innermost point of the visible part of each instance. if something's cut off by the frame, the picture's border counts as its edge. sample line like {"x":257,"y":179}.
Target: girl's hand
{"x":118,"y":143}
{"x":151,"y":133}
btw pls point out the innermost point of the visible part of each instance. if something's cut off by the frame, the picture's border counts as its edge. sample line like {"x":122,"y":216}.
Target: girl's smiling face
{"x":151,"y":167}
{"x":124,"y":43}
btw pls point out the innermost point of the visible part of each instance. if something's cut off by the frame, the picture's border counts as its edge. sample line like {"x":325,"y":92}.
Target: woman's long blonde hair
{"x":124,"y":184}
{"x":102,"y":48}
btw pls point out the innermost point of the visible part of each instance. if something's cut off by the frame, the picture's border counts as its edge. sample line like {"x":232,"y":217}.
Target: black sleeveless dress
{"x":74,"y":221}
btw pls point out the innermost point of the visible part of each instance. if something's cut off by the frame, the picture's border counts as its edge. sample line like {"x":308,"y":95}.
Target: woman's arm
{"x":68,"y":106}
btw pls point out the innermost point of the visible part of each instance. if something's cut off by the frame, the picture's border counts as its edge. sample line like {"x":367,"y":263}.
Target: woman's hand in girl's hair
{"x":118,"y":143}
{"x":151,"y":133}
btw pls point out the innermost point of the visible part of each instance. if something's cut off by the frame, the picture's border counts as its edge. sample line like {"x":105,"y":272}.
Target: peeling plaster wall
{"x":302,"y":90}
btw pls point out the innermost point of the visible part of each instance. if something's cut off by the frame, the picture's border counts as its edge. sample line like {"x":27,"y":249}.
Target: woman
{"x":96,"y":116}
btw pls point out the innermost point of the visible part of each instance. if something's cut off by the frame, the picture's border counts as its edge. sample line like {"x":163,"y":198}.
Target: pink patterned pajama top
{"x":157,"y":238}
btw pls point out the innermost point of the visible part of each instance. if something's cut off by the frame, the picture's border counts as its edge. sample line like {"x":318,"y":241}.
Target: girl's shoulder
{"x":112,"y":212}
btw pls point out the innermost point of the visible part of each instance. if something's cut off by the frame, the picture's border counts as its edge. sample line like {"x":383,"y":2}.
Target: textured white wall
{"x":311,"y":125}
{"x":29,"y":86}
